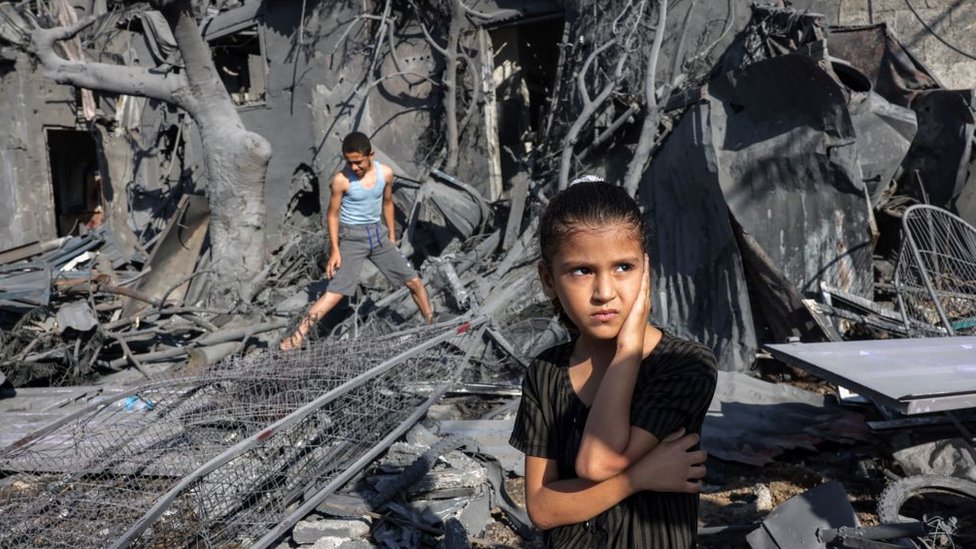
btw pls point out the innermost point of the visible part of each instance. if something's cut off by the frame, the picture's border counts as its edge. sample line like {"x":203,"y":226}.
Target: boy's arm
{"x":610,"y":444}
{"x":552,"y":501}
{"x":340,"y":184}
{"x":388,"y":204}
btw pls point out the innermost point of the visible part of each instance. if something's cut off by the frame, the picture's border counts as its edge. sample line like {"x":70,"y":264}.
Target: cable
{"x":935,"y":34}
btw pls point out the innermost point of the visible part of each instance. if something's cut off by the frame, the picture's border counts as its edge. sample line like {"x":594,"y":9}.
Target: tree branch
{"x":649,"y":129}
{"x":102,"y":76}
{"x":492,"y":17}
{"x":450,"y":85}
{"x":590,"y":107}
{"x":430,"y":39}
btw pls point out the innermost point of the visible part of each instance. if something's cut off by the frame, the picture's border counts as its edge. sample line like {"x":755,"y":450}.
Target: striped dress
{"x":673,"y":389}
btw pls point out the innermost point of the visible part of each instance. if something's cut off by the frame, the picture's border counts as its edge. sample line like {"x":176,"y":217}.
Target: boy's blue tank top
{"x":360,"y":205}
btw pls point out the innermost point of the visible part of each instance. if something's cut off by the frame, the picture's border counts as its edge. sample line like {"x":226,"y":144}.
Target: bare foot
{"x":293,"y":341}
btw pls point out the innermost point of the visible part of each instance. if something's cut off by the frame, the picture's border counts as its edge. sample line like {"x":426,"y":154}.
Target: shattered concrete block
{"x":353,"y":544}
{"x":441,"y":412}
{"x":421,"y":435}
{"x":462,"y":475}
{"x":313,"y":530}
{"x":454,"y":474}
{"x":402,"y":454}
{"x":474,"y":512}
{"x":341,"y":543}
{"x":946,"y":457}
{"x":347,"y":506}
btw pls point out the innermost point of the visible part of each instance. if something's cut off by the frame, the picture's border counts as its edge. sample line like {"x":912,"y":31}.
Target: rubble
{"x":814,"y":185}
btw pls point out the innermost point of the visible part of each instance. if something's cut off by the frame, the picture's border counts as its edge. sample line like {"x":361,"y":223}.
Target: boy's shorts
{"x":370,"y":241}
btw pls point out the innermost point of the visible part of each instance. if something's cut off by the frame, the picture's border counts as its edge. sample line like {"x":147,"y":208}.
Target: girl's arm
{"x":610,"y":444}
{"x":552,"y":501}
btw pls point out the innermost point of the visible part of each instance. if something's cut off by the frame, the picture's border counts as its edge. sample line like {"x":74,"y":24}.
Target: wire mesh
{"x":936,"y":274}
{"x":221,"y":458}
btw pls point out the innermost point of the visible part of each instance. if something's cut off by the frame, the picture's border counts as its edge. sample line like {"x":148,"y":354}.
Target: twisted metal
{"x":231,"y":457}
{"x":936,"y":275}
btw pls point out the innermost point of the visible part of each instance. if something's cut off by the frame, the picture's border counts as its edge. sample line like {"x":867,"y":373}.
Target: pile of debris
{"x":82,"y":309}
{"x":804,"y":192}
{"x":781,"y":202}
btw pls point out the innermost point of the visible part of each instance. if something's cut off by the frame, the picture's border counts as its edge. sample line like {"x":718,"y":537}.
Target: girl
{"x":609,"y":422}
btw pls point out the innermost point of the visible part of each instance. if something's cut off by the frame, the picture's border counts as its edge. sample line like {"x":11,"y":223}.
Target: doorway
{"x":75,"y":179}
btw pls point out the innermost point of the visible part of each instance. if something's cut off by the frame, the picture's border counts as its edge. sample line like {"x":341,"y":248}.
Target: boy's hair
{"x":590,"y":203}
{"x":356,"y":142}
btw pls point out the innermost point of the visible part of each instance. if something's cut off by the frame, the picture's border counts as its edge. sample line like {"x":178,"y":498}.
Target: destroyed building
{"x":776,"y":150}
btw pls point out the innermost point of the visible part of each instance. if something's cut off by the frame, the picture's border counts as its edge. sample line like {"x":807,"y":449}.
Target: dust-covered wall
{"x":28,"y":104}
{"x":318,"y":91}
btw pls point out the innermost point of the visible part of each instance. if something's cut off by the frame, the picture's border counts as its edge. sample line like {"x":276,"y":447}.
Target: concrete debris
{"x":492,"y":438}
{"x":950,"y":457}
{"x":321,"y":531}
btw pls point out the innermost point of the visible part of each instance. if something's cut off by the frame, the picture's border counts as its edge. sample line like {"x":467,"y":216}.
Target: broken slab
{"x":473,"y":511}
{"x":319,"y":529}
{"x":492,"y":438}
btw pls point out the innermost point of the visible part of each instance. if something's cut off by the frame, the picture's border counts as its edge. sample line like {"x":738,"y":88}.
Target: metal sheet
{"x":753,"y":421}
{"x":797,"y":522}
{"x":910,"y":375}
{"x":788,"y":166}
{"x":697,"y":280}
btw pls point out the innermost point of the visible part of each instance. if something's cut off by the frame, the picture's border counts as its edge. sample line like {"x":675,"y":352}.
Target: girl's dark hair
{"x":588,"y":204}
{"x":356,"y":142}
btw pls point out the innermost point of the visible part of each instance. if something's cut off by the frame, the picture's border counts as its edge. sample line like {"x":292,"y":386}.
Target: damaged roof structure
{"x":802,"y":183}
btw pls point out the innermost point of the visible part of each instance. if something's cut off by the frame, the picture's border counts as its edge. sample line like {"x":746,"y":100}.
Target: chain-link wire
{"x":221,"y":458}
{"x":936,"y":275}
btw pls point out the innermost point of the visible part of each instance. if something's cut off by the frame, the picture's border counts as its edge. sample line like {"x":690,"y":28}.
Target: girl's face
{"x":596,"y":276}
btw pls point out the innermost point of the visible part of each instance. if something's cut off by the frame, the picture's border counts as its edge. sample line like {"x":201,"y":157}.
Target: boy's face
{"x":359,"y":163}
{"x":596,"y":275}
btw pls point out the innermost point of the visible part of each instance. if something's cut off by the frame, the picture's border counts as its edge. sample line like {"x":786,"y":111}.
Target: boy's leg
{"x":398,"y":270}
{"x":354,"y":248}
{"x":419,"y":294}
{"x":319,"y":309}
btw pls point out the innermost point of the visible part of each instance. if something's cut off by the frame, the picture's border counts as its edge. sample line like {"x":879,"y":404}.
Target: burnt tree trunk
{"x":236,"y":160}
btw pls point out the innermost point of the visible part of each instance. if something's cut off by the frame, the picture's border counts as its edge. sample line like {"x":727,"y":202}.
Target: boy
{"x":362,"y":197}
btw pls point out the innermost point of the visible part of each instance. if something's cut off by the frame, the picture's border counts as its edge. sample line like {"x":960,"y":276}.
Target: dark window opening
{"x":526,"y":57}
{"x":76,"y":180}
{"x":240,"y":65}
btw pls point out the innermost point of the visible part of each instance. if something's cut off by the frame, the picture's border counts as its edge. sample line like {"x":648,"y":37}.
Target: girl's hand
{"x":671,"y":466}
{"x":631,"y":336}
